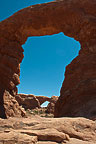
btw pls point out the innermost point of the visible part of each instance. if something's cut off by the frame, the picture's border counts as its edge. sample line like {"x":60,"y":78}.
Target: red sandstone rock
{"x":78,"y":92}
{"x":37,"y":130}
{"x":12,"y":107}
{"x":43,"y":99}
{"x":51,"y":105}
{"x":28,"y":101}
{"x":75,"y":18}
{"x":54,"y":99}
{"x":32,"y":102}
{"x":50,"y":108}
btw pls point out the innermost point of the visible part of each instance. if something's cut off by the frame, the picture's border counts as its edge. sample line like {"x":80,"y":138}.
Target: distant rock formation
{"x":51,"y":105}
{"x":43,"y":99}
{"x":29,"y":101}
{"x":76,"y":19}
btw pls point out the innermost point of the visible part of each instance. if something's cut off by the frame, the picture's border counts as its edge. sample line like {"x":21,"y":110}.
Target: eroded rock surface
{"x":12,"y":107}
{"x":37,"y":130}
{"x":75,"y":18}
{"x":78,"y":92}
{"x":9,"y":107}
{"x":28,"y":101}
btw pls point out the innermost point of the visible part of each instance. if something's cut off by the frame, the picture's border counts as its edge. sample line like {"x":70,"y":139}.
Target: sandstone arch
{"x":29,"y":101}
{"x":76,"y":19}
{"x":43,"y":99}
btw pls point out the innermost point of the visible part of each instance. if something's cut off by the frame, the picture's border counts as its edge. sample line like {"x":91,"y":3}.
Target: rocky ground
{"x":41,"y":130}
{"x":42,"y":112}
{"x":74,"y":18}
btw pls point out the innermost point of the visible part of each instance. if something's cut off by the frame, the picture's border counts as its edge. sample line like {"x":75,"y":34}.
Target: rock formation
{"x":51,"y":105}
{"x":27,"y":101}
{"x":43,"y":99}
{"x":75,"y":18}
{"x":50,"y":108}
{"x":32,"y":102}
{"x":78,"y":92}
{"x":12,"y":107}
{"x":9,"y":107}
{"x":37,"y":130}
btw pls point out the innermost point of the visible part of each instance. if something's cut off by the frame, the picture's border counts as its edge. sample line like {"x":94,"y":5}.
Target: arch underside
{"x":75,"y":19}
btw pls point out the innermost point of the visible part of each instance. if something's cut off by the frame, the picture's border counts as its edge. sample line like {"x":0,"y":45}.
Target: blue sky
{"x":45,"y":58}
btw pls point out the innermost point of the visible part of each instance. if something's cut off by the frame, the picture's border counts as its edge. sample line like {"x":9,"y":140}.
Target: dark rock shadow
{"x":2,"y":109}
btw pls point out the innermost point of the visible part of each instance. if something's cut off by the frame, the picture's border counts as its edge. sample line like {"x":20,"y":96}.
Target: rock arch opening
{"x":44,"y":63}
{"x":45,"y":104}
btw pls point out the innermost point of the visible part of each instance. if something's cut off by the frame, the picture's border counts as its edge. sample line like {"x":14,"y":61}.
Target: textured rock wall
{"x":28,"y":101}
{"x":76,"y":19}
{"x":51,"y":105}
{"x":78,"y":92}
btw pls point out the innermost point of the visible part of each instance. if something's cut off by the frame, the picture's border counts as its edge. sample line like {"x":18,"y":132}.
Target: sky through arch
{"x":43,"y":66}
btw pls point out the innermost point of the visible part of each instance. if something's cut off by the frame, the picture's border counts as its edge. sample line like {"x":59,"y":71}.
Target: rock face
{"x":37,"y":130}
{"x":51,"y":108}
{"x":12,"y":107}
{"x":78,"y":92}
{"x":75,"y":18}
{"x":27,"y":101}
{"x":51,"y":105}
